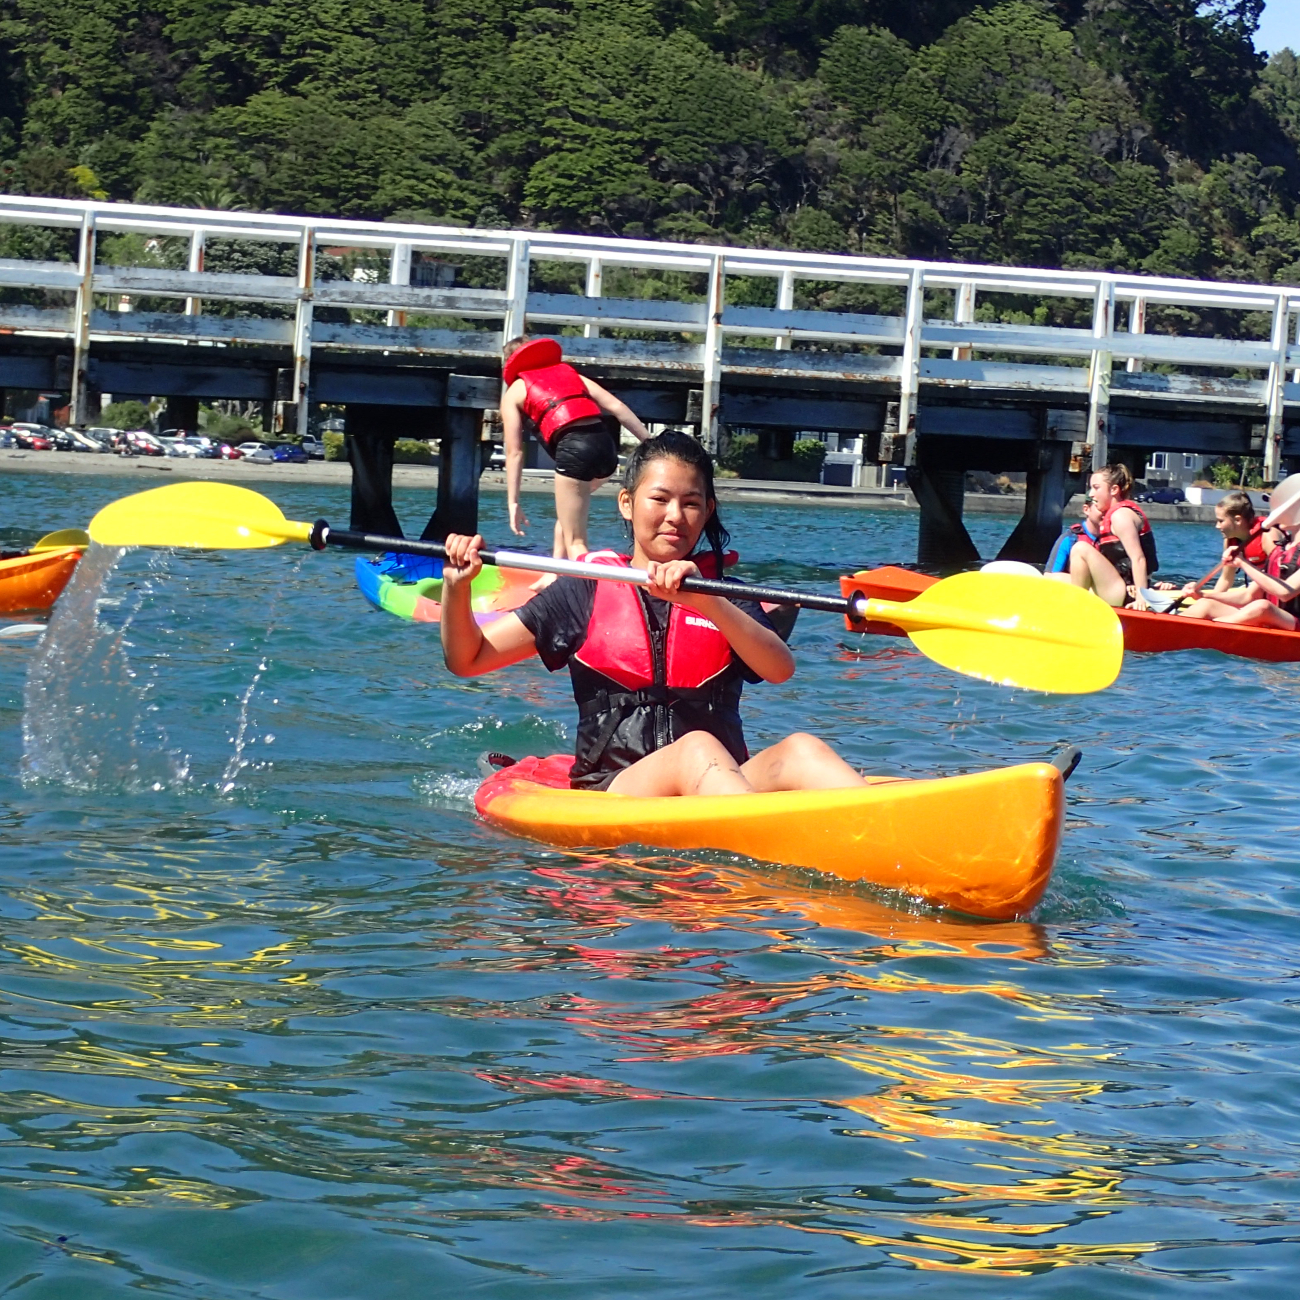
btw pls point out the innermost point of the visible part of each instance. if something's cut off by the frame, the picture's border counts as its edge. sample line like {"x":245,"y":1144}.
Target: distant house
{"x":1174,"y":468}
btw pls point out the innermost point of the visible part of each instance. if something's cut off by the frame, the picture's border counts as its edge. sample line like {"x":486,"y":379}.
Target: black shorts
{"x":586,"y":452}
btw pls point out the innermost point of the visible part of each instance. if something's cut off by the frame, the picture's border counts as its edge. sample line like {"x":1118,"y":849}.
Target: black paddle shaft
{"x":322,"y":535}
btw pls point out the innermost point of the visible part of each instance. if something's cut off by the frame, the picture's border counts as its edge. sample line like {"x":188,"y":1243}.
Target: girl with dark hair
{"x":657,"y":672}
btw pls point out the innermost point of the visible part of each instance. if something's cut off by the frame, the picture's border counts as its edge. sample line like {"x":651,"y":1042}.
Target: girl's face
{"x":668,"y":510}
{"x":1103,"y":495}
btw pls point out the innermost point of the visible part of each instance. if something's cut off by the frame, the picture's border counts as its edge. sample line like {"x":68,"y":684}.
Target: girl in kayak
{"x":573,"y":416}
{"x":1271,"y":596}
{"x":657,"y":672}
{"x":1120,"y":563}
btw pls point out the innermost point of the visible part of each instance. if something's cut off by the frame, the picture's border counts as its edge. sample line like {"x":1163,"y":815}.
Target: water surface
{"x":282,"y":1019}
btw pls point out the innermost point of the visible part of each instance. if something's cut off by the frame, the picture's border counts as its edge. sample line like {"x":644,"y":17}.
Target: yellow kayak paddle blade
{"x":59,"y":541}
{"x":1013,"y":630}
{"x":208,"y":516}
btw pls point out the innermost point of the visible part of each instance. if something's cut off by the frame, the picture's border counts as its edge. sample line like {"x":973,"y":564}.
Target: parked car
{"x":227,"y":452}
{"x":497,"y":460}
{"x":313,"y":446}
{"x":74,"y":440}
{"x":248,"y":448}
{"x":179,"y":447}
{"x":260,"y":454}
{"x":102,"y":434}
{"x":203,"y":446}
{"x":289,"y":453}
{"x":138,"y":442}
{"x":7,"y":439}
{"x":33,"y":437}
{"x":1163,"y":496}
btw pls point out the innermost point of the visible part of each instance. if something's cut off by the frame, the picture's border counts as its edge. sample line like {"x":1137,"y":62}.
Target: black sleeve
{"x":558,"y":617}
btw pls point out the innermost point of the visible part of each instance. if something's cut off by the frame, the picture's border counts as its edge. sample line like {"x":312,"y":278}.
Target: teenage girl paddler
{"x":573,"y":417}
{"x":1121,"y":561}
{"x":657,"y":672}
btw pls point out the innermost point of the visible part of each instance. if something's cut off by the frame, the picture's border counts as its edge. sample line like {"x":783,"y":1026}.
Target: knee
{"x":800,"y":747}
{"x":701,"y":747}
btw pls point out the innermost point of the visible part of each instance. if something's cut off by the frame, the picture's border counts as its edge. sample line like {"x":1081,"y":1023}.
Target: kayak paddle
{"x":57,"y":541}
{"x":1004,"y":628}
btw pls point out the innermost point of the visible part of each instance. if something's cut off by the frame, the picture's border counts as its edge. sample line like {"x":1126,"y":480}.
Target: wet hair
{"x":1119,"y":477}
{"x":686,"y":450}
{"x":1239,"y":504}
{"x":513,"y":345}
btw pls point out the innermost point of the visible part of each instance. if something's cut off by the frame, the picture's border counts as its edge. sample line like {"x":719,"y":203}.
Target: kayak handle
{"x":322,"y":535}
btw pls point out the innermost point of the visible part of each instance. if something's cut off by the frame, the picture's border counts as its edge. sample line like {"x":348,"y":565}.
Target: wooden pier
{"x":408,"y":346}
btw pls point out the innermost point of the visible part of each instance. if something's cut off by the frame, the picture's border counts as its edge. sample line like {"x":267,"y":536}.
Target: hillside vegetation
{"x":1143,"y":135}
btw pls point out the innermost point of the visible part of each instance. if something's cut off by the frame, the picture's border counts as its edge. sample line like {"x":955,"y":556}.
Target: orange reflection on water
{"x":693,"y":895}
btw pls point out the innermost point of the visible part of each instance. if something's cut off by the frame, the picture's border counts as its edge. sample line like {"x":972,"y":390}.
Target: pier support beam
{"x":460,"y":460}
{"x":942,"y":541}
{"x":369,"y":435}
{"x":181,"y":413}
{"x":1046,"y":488}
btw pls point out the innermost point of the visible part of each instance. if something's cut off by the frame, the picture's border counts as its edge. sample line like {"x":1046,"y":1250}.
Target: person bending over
{"x":1122,"y":560}
{"x":657,"y":672}
{"x":576,"y":420}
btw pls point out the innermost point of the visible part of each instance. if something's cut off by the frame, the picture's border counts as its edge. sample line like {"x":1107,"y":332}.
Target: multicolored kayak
{"x":1142,"y":631}
{"x":983,"y":844}
{"x":35,"y":581}
{"x":410,"y":586}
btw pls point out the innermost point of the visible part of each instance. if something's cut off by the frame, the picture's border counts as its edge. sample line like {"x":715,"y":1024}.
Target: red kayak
{"x":1142,"y":631}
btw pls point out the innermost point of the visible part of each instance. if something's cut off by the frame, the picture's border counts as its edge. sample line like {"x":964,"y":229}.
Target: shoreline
{"x":151,"y":470}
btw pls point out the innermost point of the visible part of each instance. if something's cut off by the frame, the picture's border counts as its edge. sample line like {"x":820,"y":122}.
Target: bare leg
{"x":698,"y":763}
{"x":1090,"y":569}
{"x":1217,"y":611}
{"x":572,"y":510}
{"x":1259,"y":613}
{"x":799,"y":762}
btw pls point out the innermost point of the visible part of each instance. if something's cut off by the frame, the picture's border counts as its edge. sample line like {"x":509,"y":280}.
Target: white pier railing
{"x":706,"y":338}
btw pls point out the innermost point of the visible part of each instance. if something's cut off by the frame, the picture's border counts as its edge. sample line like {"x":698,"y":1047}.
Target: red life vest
{"x":639,"y":688}
{"x":554,"y":398}
{"x":1253,"y":547}
{"x":618,"y":637}
{"x":1283,"y":564}
{"x":1113,"y":549}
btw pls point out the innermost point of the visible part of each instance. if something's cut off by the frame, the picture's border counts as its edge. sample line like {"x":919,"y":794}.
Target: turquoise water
{"x":281,"y":1019}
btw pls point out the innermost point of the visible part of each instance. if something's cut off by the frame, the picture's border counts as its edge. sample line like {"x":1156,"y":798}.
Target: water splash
{"x":86,"y":716}
{"x":240,"y":741}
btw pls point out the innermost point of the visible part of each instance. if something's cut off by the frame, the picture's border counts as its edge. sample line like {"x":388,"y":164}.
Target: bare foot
{"x":543,"y":582}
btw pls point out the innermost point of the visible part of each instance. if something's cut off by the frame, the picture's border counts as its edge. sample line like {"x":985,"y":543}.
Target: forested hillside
{"x":1136,"y":134}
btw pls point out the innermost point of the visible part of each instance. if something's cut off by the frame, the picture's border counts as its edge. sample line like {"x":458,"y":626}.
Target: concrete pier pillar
{"x":942,"y":542}
{"x":1047,"y":486}
{"x":369,"y":433}
{"x":459,"y":466}
{"x":181,"y":413}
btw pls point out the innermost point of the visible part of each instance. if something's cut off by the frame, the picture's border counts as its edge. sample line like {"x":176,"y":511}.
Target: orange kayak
{"x":35,"y":581}
{"x":1142,"y":631}
{"x":984,"y":843}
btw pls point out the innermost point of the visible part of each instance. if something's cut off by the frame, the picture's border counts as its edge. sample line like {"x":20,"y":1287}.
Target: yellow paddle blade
{"x":212,"y":516}
{"x":1013,"y":630}
{"x":64,"y":537}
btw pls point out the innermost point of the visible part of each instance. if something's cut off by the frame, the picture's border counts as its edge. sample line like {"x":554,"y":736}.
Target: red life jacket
{"x":1113,"y":549}
{"x":1253,"y":547}
{"x":618,"y":637}
{"x":1283,"y":564}
{"x":554,"y":398}
{"x":639,"y":689}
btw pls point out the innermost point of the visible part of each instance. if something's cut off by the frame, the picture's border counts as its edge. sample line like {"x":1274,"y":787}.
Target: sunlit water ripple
{"x":280,"y":1018}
